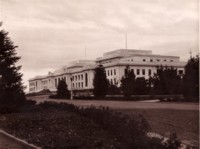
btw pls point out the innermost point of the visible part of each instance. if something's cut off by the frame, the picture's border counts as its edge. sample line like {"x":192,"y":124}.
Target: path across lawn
{"x":125,"y":104}
{"x":7,"y":142}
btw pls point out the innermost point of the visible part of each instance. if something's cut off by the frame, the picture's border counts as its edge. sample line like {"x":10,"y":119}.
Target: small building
{"x":79,"y":75}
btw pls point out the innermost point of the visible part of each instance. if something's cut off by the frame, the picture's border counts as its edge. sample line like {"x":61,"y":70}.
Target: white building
{"x":79,"y":75}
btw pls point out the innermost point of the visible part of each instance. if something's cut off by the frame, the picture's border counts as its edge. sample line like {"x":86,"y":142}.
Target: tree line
{"x":165,"y":82}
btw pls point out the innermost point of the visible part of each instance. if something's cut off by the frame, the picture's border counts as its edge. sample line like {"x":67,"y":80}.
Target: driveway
{"x":125,"y":104}
{"x":9,"y":143}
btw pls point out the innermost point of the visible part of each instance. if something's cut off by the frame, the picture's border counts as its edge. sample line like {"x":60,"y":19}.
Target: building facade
{"x":79,"y":75}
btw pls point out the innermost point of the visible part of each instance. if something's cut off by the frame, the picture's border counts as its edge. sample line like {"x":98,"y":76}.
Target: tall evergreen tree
{"x":100,"y":82}
{"x":113,"y":89}
{"x":127,"y":82}
{"x":191,"y":79}
{"x":140,"y":86}
{"x":166,"y":81}
{"x":11,"y":88}
{"x":62,"y":90}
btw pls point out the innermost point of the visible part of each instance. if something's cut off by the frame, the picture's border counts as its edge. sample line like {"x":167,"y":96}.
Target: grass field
{"x":164,"y":121}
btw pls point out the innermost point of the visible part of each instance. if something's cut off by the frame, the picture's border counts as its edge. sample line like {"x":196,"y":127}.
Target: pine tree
{"x":127,"y":82}
{"x":140,"y":86}
{"x":62,"y":90}
{"x":191,"y":79}
{"x":11,"y":88}
{"x":166,"y":81}
{"x":100,"y":82}
{"x":113,"y":89}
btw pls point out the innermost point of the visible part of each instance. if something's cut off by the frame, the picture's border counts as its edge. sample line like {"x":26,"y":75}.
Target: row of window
{"x":58,"y":80}
{"x":77,"y":85}
{"x":151,"y":60}
{"x":77,"y":77}
{"x":113,"y":81}
{"x":140,"y":71}
{"x":111,"y":72}
{"x":32,"y":89}
{"x":32,"y":84}
{"x":44,"y":82}
{"x":106,"y":62}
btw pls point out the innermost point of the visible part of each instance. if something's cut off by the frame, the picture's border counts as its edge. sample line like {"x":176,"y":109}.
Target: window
{"x":180,"y":72}
{"x":86,"y":79}
{"x":81,"y":77}
{"x":151,"y":60}
{"x":138,"y":71}
{"x":171,"y":60}
{"x":111,"y":72}
{"x":111,"y":81}
{"x":165,"y":60}
{"x":115,"y":81}
{"x":144,"y":60}
{"x":132,"y":70}
{"x":114,"y":71}
{"x":149,"y":72}
{"x":108,"y":73}
{"x":143,"y":71}
{"x":158,"y":60}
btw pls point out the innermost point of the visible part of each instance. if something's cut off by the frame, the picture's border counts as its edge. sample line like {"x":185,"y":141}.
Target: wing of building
{"x":79,"y":75}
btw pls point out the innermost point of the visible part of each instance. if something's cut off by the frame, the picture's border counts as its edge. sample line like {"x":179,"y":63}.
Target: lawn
{"x":53,"y":125}
{"x":164,"y":121}
{"x":54,"y":128}
{"x":60,"y":125}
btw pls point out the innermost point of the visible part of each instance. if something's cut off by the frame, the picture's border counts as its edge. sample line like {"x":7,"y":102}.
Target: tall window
{"x":132,"y":70}
{"x":138,"y":71}
{"x":114,"y":71}
{"x":115,"y":81}
{"x":55,"y":82}
{"x":65,"y":79}
{"x":111,"y":72}
{"x":143,"y":71}
{"x":86,"y":79}
{"x":149,"y":72}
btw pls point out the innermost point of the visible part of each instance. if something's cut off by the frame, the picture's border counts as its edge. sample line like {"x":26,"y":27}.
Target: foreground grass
{"x":164,"y":121}
{"x":54,"y":128}
{"x":64,"y":126}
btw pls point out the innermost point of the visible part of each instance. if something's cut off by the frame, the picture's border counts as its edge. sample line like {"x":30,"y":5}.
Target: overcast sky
{"x":51,"y":33}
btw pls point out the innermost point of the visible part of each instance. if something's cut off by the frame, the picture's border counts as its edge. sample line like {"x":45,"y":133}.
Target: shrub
{"x":62,"y":90}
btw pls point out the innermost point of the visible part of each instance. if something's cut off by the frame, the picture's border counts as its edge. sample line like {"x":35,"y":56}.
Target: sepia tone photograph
{"x":99,"y":74}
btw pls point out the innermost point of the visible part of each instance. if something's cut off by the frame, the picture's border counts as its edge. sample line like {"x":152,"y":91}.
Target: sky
{"x":51,"y":33}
